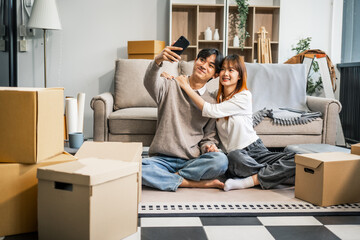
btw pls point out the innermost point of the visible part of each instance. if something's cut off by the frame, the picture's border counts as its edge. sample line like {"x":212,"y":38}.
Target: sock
{"x":238,"y":183}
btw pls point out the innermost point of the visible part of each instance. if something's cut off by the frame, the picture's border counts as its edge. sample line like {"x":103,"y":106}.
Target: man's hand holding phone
{"x":172,"y":53}
{"x":167,"y":54}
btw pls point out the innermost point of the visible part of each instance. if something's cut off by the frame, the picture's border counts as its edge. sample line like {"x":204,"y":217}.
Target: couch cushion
{"x":186,"y":68}
{"x":133,"y":121}
{"x":129,"y":87}
{"x":267,"y":127}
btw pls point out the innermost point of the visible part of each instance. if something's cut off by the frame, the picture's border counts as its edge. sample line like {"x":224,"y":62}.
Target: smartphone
{"x":181,"y":42}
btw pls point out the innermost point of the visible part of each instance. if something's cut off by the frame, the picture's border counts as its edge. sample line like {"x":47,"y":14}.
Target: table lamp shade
{"x":45,"y":15}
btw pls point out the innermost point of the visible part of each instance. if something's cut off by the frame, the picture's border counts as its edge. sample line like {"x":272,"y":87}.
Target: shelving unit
{"x":191,"y":20}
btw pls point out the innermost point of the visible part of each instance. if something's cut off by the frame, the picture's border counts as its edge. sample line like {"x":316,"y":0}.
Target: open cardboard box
{"x":31,"y":124}
{"x":327,"y":179}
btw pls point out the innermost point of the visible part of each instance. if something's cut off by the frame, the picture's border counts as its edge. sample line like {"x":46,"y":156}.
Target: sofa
{"x":129,"y":114}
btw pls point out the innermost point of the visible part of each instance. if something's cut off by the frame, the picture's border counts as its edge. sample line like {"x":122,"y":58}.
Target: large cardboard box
{"x":123,"y":151}
{"x":144,"y":49}
{"x":355,"y":149}
{"x":327,"y":179}
{"x":31,"y":124}
{"x":88,"y":199}
{"x":18,"y":195}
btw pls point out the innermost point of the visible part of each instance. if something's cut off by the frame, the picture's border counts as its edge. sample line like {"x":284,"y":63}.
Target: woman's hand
{"x":183,"y":81}
{"x":166,"y":75}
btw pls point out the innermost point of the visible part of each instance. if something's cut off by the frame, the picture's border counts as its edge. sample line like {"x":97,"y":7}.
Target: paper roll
{"x":71,"y":114}
{"x":80,"y":112}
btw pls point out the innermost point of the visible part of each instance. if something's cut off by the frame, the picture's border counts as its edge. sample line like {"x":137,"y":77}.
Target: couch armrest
{"x":103,"y":106}
{"x":330,"y":109}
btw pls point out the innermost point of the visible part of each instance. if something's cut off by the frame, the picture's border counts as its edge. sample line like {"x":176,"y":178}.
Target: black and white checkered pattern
{"x":222,"y":228}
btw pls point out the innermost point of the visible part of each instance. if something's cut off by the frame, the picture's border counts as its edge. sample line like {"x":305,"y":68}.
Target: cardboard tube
{"x":71,"y":114}
{"x":80,"y":113}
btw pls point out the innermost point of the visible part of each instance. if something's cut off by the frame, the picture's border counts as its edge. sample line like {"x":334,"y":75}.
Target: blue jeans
{"x":158,"y":171}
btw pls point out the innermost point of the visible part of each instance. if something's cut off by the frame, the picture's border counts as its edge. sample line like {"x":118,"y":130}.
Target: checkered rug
{"x":215,"y":228}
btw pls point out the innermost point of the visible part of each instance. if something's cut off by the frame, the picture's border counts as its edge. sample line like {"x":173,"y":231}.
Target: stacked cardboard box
{"x":99,"y":193}
{"x":355,"y":149}
{"x":144,"y":49}
{"x":327,"y":179}
{"x":31,"y":136}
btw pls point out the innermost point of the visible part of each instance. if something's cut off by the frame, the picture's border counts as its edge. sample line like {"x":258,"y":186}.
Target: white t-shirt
{"x":237,"y":132}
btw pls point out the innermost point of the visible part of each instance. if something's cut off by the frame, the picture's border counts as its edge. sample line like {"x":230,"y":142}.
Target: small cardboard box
{"x":144,"y":49}
{"x":123,"y":151}
{"x":31,"y":124}
{"x":88,"y":199}
{"x":327,"y":179}
{"x":355,"y":149}
{"x":18,"y":195}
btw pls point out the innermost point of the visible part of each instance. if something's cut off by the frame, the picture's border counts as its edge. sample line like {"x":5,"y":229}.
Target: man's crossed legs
{"x":169,"y":173}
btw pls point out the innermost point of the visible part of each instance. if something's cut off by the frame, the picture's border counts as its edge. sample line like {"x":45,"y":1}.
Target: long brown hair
{"x":238,"y":64}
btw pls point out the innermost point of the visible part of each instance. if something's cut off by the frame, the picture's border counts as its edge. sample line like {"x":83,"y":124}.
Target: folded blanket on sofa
{"x":285,"y":116}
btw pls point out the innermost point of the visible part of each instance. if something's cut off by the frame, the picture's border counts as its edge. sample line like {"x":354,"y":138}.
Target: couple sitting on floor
{"x":184,"y":151}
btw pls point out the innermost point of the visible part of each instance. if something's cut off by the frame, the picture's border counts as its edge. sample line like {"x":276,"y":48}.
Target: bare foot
{"x":213,"y":183}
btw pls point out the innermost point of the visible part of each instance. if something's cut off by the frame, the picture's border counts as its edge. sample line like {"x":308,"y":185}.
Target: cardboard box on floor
{"x":327,"y":179}
{"x":90,"y":198}
{"x":124,"y":151}
{"x":31,"y":124}
{"x":355,"y":149}
{"x":18,"y":195}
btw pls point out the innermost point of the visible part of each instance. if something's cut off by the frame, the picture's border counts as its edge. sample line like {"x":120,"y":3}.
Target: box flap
{"x":308,"y":161}
{"x":88,"y":171}
{"x":17,"y":126}
{"x":124,"y":151}
{"x":313,"y":160}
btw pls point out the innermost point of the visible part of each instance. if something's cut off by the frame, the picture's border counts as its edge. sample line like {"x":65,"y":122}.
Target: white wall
{"x":81,"y":56}
{"x":94,"y":33}
{"x":308,"y":18}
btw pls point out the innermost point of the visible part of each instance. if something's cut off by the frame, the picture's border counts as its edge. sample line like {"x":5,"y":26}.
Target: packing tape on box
{"x":80,"y":113}
{"x":71,"y":114}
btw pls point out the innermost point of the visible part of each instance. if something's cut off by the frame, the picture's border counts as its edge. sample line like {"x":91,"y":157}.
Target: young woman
{"x":250,"y":162}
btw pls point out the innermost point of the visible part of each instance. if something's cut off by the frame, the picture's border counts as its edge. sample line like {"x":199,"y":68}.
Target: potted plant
{"x":243,"y":10}
{"x":313,"y":86}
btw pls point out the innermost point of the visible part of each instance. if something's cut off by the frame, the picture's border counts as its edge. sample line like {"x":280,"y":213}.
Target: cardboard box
{"x":123,"y":151}
{"x":327,"y":179}
{"x":142,"y":56}
{"x":355,"y":149}
{"x":31,"y":124}
{"x":18,"y":195}
{"x":145,"y":49}
{"x":90,"y":198}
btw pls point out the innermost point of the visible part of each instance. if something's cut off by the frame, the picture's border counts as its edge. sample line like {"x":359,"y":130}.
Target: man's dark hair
{"x":207,"y":52}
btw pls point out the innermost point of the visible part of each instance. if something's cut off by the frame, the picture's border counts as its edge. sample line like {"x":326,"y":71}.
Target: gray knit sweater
{"x":181,"y":131}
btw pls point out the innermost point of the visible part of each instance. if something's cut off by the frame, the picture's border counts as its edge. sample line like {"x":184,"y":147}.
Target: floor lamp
{"x":45,"y":16}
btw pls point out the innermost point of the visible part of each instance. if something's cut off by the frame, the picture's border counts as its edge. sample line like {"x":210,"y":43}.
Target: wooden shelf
{"x":191,"y":20}
{"x":230,"y":47}
{"x":210,"y":41}
{"x":272,"y":42}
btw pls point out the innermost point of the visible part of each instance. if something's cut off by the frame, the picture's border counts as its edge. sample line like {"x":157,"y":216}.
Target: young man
{"x":183,"y":152}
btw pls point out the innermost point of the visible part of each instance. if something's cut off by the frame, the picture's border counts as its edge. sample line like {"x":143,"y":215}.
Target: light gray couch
{"x":129,"y":115}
